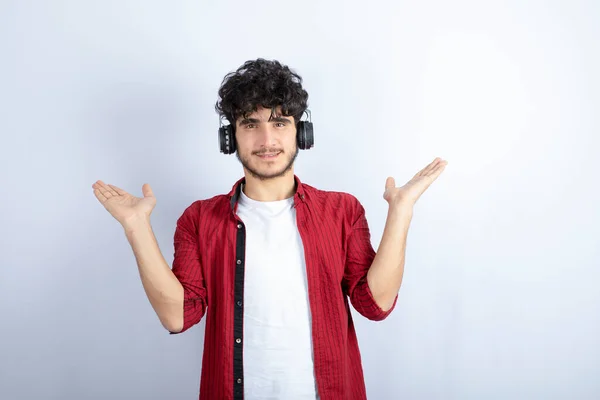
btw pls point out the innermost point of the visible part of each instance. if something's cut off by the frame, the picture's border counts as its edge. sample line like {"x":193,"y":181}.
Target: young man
{"x":274,"y":264}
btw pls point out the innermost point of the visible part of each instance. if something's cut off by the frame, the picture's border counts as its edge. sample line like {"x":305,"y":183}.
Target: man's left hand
{"x":407,"y":195}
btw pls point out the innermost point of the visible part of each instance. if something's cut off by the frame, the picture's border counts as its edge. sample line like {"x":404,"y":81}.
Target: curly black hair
{"x":260,"y":82}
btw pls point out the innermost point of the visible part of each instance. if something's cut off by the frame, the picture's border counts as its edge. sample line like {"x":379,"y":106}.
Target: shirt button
{"x":239,"y":262}
{"x":238,"y":340}
{"x":239,"y":303}
{"x":239,"y":380}
{"x":239,"y":226}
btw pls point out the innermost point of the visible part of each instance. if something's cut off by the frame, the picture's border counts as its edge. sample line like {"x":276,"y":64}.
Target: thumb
{"x":147,"y":190}
{"x":390,"y":183}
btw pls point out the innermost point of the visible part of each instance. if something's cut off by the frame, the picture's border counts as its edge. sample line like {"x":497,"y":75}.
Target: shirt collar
{"x":234,"y":193}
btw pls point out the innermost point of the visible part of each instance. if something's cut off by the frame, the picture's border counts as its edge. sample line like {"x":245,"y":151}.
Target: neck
{"x":274,"y":189}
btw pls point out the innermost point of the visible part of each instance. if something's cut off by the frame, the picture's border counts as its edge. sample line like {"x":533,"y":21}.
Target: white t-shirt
{"x":277,"y":347}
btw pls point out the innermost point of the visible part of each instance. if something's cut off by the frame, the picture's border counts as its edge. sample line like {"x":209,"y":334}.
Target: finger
{"x":102,"y":191}
{"x":425,"y":170}
{"x":147,"y":190}
{"x":438,"y":170}
{"x":428,"y":170}
{"x":390,"y":183}
{"x":118,"y":190}
{"x":106,"y":190}
{"x":100,"y":196}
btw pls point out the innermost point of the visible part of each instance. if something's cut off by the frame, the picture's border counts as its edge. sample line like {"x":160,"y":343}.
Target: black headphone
{"x":304,"y":136}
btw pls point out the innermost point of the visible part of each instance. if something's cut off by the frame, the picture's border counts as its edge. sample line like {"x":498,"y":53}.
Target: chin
{"x":264,"y":169}
{"x":267,"y":172}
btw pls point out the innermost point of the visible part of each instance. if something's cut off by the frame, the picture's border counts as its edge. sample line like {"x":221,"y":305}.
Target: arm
{"x":187,"y":268}
{"x":359,"y":258}
{"x":385,"y":275}
{"x":178,"y":296}
{"x":163,"y":289}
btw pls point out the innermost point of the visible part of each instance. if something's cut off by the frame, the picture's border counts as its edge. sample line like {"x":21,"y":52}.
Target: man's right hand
{"x":124,"y":207}
{"x":165,"y":292}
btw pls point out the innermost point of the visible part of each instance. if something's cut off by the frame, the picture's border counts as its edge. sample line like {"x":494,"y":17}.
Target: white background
{"x":500,"y":296}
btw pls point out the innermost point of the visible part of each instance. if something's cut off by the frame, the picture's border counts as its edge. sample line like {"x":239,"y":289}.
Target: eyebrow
{"x":257,"y":121}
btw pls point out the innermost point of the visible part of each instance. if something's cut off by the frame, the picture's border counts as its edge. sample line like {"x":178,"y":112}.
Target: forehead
{"x":262,"y":114}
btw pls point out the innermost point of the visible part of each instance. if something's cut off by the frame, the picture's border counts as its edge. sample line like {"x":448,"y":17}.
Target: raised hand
{"x":408,"y":194}
{"x":123,"y":206}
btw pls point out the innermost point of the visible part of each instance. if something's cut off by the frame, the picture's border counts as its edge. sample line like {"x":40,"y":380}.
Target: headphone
{"x":304,"y":136}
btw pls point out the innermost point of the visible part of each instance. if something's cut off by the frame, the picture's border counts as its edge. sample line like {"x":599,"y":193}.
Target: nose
{"x":266,"y":136}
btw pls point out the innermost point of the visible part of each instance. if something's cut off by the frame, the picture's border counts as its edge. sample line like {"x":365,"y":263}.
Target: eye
{"x":280,"y":124}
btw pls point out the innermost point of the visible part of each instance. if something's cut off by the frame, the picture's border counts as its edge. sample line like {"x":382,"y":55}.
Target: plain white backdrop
{"x":500,"y":296}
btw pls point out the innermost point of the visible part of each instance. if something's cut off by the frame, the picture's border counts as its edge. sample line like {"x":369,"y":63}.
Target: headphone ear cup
{"x":304,"y":136}
{"x":226,"y":140}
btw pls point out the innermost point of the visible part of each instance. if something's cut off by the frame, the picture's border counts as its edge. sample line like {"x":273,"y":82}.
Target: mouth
{"x":269,"y":156}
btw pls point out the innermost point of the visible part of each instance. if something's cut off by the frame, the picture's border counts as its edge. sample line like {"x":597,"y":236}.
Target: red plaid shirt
{"x":209,"y":262}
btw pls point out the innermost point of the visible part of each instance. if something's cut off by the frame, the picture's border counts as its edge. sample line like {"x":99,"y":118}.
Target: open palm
{"x":413,"y":189}
{"x":123,"y":206}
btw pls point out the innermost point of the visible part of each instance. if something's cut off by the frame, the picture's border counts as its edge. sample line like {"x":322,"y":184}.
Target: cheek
{"x":242,"y":146}
{"x":291,"y":143}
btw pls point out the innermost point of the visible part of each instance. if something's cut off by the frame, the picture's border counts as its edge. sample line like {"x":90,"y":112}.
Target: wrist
{"x":136,"y":222}
{"x":401,"y":210}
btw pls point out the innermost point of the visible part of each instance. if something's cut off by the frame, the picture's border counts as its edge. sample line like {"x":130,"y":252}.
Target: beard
{"x":263,"y":176}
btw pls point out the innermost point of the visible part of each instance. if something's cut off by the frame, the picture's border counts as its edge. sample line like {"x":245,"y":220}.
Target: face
{"x":266,"y":146}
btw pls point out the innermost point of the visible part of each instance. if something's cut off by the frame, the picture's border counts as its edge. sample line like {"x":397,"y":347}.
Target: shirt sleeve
{"x":359,"y":257}
{"x":187,"y":266}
